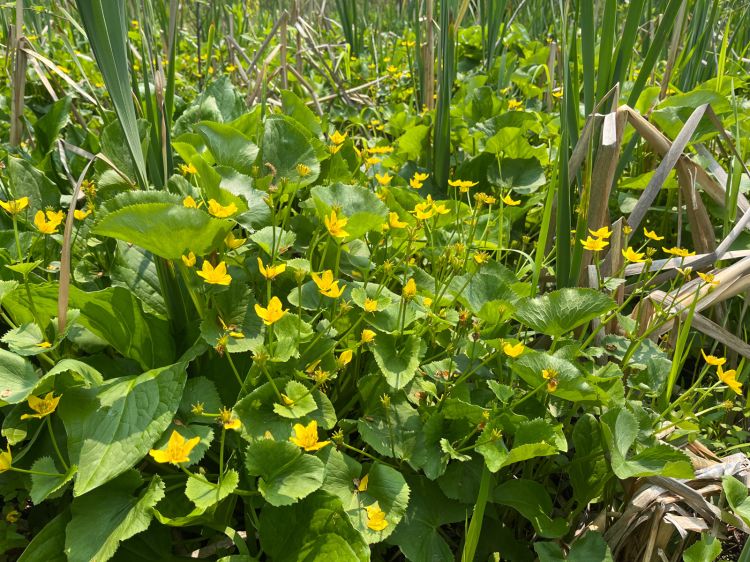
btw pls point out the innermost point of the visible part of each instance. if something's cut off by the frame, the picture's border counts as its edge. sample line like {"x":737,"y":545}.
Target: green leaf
{"x":111,"y":427}
{"x":314,"y":529}
{"x":270,"y":235}
{"x":620,"y":429}
{"x":286,"y":474}
{"x":134,"y":269}
{"x":395,"y":432}
{"x":590,"y":548}
{"x":204,"y":494}
{"x":48,"y":127}
{"x":25,"y":339}
{"x":27,"y":181}
{"x":398,"y":358}
{"x":448,"y":449}
{"x":360,"y":206}
{"x":107,"y":516}
{"x":302,"y":401}
{"x":228,"y":146}
{"x":562,"y":311}
{"x":17,"y":378}
{"x":285,"y":147}
{"x":707,"y":549}
{"x":48,"y":545}
{"x":165,"y":229}
{"x":385,"y":485}
{"x":532,"y":501}
{"x":737,"y":497}
{"x":412,"y":143}
{"x":199,"y":390}
{"x":571,"y":383}
{"x":41,"y":485}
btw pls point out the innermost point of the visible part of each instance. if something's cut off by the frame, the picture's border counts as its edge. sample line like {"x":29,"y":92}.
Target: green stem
{"x":54,"y":444}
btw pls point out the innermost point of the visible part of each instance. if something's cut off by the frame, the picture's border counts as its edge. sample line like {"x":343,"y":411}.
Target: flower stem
{"x":54,"y":444}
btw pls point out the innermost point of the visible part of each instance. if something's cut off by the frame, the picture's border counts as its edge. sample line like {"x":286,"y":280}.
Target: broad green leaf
{"x":112,"y":427}
{"x":412,"y":143}
{"x":492,"y":447}
{"x":228,"y":146}
{"x":620,"y":429}
{"x":562,"y":311}
{"x":590,"y":548}
{"x":105,"y":517}
{"x":531,"y":500}
{"x":588,"y":469}
{"x":134,"y":268}
{"x":296,"y":108}
{"x":737,"y":497}
{"x":48,"y":545}
{"x":25,"y":340}
{"x":301,"y":401}
{"x":17,"y":378}
{"x":287,"y":148}
{"x":398,"y":358}
{"x":286,"y":473}
{"x":418,"y":536}
{"x":314,"y":529}
{"x":451,"y":451}
{"x":204,"y":494}
{"x":199,"y":391}
{"x":27,"y":181}
{"x":384,"y":485}
{"x":165,"y":229}
{"x":360,"y":206}
{"x":394,"y":432}
{"x":42,"y":485}
{"x":707,"y":549}
{"x":48,"y":127}
{"x":273,"y":237}
{"x":256,"y":412}
{"x":571,"y":383}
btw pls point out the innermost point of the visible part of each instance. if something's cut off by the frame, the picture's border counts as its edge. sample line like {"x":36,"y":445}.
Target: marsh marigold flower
{"x":679,"y":252}
{"x":650,"y":234}
{"x":177,"y":449}
{"x":228,"y":420}
{"x":215,"y":275}
{"x":220,"y":211}
{"x":273,"y":313}
{"x":345,"y":358}
{"x":188,"y":260}
{"x":713,"y":360}
{"x":307,"y":437}
{"x":6,"y":459}
{"x":394,"y":222}
{"x":594,"y":244}
{"x":327,"y":285}
{"x":632,"y":256}
{"x":384,"y":179}
{"x":190,"y":203}
{"x":603,"y":232}
{"x":15,"y":206}
{"x":410,"y":289}
{"x":376,"y":517}
{"x":508,"y":200}
{"x":336,"y":225}
{"x":272,"y":271}
{"x":513,"y":105}
{"x":512,"y":350}
{"x":709,"y":279}
{"x":42,"y":406}
{"x":338,"y":138}
{"x":370,"y":305}
{"x":367,"y":336}
{"x":81,"y":214}
{"x":729,"y":378}
{"x":47,"y":224}
{"x":232,"y":242}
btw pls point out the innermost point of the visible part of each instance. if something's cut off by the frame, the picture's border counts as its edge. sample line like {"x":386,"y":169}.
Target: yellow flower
{"x":594,"y":244}
{"x":482,"y":197}
{"x":220,"y":211}
{"x":303,"y":170}
{"x":508,"y":200}
{"x":729,"y":378}
{"x":514,"y":104}
{"x":272,"y":314}
{"x":44,"y":345}
{"x":345,"y":358}
{"x":188,"y":260}
{"x":550,"y":375}
{"x":336,"y":225}
{"x":481,"y":257}
{"x":652,"y":234}
{"x":376,"y":517}
{"x":15,"y":206}
{"x":307,"y":437}
{"x":679,"y":252}
{"x":713,"y":360}
{"x":415,"y":183}
{"x":188,"y":169}
{"x":427,"y":301}
{"x":513,"y":350}
{"x":338,"y":138}
{"x":393,"y":221}
{"x":190,"y":203}
{"x":420,"y":176}
{"x":372,"y":160}
{"x":272,"y":271}
{"x":440,"y":209}
{"x":215,"y":275}
{"x":177,"y":449}
{"x":334,"y":148}
{"x":631,"y":255}
{"x":603,"y":232}
{"x":627,"y":229}
{"x":46,"y":226}
{"x":410,"y":289}
{"x":227,"y":419}
{"x":423,"y":211}
{"x":363,"y":482}
{"x":462,"y":185}
{"x":327,"y":285}
{"x":233,"y":242}
{"x":81,"y":214}
{"x":42,"y":406}
{"x":384,"y":179}
{"x":371,"y":305}
{"x":709,"y":279}
{"x":5,"y":461}
{"x":367,"y":336}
